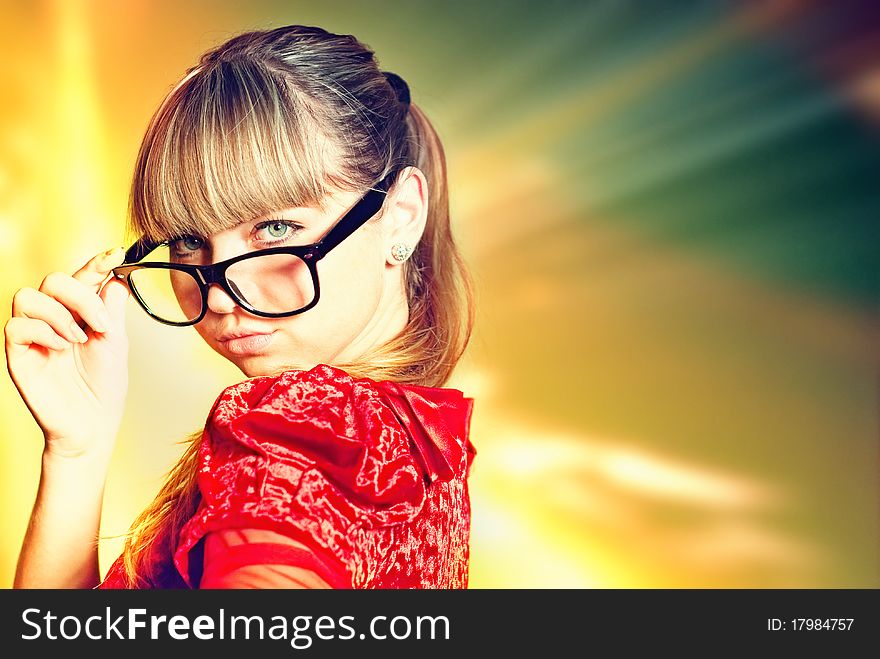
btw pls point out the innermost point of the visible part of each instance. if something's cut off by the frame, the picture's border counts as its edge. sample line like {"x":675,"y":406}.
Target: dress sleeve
{"x":311,"y":456}
{"x":253,"y":558}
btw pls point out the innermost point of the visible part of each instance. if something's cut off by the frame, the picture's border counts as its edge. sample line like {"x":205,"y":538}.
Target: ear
{"x":406,"y":212}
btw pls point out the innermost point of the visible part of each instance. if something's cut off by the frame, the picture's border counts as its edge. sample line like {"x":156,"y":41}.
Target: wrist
{"x":57,"y":454}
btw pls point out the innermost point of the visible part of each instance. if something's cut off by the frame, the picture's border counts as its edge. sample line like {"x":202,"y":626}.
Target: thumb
{"x":114,"y":294}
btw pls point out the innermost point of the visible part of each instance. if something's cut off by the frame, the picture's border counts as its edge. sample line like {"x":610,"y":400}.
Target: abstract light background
{"x":671,"y":212}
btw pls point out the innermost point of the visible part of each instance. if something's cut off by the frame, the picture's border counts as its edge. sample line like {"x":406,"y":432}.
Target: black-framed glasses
{"x":272,"y":283}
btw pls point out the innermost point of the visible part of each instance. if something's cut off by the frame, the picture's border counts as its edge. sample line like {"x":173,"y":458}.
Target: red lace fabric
{"x":366,"y":481}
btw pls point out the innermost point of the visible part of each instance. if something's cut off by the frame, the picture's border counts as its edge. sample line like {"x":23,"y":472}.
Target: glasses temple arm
{"x":139,"y":250}
{"x":366,"y":208}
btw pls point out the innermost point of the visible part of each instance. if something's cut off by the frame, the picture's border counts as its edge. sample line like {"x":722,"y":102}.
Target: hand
{"x":67,"y":353}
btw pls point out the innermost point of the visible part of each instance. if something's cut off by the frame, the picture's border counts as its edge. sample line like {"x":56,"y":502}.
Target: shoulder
{"x":320,"y":456}
{"x":323,"y":396}
{"x":320,"y":418}
{"x":325,"y":414}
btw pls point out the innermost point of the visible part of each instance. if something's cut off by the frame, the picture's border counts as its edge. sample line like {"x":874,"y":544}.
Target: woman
{"x":290,"y":203}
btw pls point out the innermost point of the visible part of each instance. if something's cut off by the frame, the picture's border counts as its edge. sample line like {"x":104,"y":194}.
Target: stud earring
{"x":401,"y":251}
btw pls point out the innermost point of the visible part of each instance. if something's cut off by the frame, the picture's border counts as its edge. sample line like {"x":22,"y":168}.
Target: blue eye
{"x":186,"y":244}
{"x":191,"y":243}
{"x":275,"y":231}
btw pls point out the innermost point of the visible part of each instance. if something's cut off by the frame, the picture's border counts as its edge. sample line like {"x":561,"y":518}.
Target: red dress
{"x":368,"y":481}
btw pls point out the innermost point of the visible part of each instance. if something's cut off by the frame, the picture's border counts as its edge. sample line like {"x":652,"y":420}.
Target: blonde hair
{"x":275,"y":119}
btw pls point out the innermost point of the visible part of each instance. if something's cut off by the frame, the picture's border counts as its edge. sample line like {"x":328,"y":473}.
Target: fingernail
{"x":79,"y":335}
{"x":113,"y":256}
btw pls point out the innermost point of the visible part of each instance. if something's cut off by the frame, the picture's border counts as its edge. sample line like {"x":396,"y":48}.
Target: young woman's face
{"x":362,"y":302}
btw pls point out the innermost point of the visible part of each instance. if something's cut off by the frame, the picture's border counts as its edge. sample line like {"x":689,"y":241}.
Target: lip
{"x":245,"y":343}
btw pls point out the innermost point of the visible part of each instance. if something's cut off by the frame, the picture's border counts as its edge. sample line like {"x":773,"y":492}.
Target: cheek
{"x":187,"y":293}
{"x":207,"y":333}
{"x":351,"y":283}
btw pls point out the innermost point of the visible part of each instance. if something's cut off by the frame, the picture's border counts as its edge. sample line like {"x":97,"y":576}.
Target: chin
{"x":259,"y":365}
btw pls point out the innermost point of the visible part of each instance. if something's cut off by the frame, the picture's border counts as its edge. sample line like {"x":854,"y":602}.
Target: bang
{"x":231,"y":143}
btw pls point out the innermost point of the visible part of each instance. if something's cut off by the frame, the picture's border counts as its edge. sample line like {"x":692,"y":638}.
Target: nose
{"x":219,"y":300}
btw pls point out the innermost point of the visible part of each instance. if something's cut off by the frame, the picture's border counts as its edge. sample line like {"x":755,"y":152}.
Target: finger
{"x":95,"y":272}
{"x":77,"y":297}
{"x":32,"y":304}
{"x":115,"y":294}
{"x":22,"y":331}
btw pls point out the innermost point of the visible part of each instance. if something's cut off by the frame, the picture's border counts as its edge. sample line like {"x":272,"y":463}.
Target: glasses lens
{"x":272,"y":283}
{"x":171,"y":295}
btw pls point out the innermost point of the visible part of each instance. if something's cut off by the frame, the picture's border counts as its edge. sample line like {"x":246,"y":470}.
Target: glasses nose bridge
{"x":215,"y":274}
{"x":212,"y":274}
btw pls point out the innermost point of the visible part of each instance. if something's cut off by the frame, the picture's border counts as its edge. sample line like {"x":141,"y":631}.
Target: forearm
{"x":60,"y":548}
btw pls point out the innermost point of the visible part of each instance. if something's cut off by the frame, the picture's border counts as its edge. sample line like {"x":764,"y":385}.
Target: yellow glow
{"x":646,"y":414}
{"x":80,"y":169}
{"x":691,"y":484}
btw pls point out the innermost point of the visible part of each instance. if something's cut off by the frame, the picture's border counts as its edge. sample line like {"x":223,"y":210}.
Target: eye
{"x":192,"y":243}
{"x":186,"y":244}
{"x":273,"y":231}
{"x":277,"y":229}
